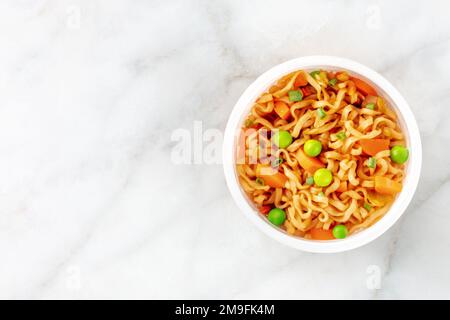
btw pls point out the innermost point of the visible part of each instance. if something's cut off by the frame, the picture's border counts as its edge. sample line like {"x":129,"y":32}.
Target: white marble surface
{"x":91,"y":205}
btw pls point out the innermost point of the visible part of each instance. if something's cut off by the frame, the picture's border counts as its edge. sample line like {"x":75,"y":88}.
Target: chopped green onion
{"x":277,"y":162}
{"x":370,"y":106}
{"x":314,"y":73}
{"x":321,"y":113}
{"x":341,"y":135}
{"x":310,"y":181}
{"x":332,"y":82}
{"x":295,"y":95}
{"x":372,"y":163}
{"x":259,"y":181}
{"x":367,"y":206}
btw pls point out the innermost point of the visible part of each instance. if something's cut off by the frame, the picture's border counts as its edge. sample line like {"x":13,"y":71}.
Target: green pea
{"x":367,"y":206}
{"x":370,"y":106}
{"x":340,"y":231}
{"x":277,"y":216}
{"x":312,"y":147}
{"x":282,"y":139}
{"x":399,"y":154}
{"x":323,"y":177}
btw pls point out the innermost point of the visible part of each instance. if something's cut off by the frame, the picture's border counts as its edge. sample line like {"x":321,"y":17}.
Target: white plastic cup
{"x":398,"y":104}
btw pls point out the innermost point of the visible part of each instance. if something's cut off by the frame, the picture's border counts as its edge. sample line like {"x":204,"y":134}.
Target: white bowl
{"x":406,"y":120}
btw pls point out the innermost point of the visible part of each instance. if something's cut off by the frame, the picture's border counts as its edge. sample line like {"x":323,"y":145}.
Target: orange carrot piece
{"x":320,"y":234}
{"x":265,"y":209}
{"x":300,"y":81}
{"x":308,"y":163}
{"x":342,"y":187}
{"x":271,"y":176}
{"x":373,"y":146}
{"x":364,"y":87}
{"x":282,"y":110}
{"x":385,"y":185}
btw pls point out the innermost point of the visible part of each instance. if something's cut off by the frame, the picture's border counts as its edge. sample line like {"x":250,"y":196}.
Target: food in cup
{"x":322,"y":154}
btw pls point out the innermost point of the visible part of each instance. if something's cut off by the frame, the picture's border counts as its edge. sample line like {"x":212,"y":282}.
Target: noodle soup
{"x":321,"y":155}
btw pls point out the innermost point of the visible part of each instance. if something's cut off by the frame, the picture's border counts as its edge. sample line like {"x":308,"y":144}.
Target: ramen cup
{"x":406,"y":121}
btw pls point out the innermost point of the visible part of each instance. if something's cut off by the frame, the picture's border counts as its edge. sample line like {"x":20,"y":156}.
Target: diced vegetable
{"x":370,"y":106}
{"x":312,"y":147}
{"x":271,"y":176}
{"x":282,"y":139}
{"x":314,"y":73}
{"x":323,"y":177}
{"x":277,"y":162}
{"x":385,"y":185}
{"x":265,"y":209}
{"x":308,"y":163}
{"x":373,"y":146}
{"x":282,"y":110}
{"x":323,"y":76}
{"x":340,"y":231}
{"x":364,"y":87}
{"x":399,"y":154}
{"x":310,"y":181}
{"x":295,"y":95}
{"x":372,"y":162}
{"x":321,"y":113}
{"x":277,"y":216}
{"x":259,"y":181}
{"x":300,"y":81}
{"x":342,"y":76}
{"x":332,"y":82}
{"x":240,"y":149}
{"x":367,"y":206}
{"x":341,"y":135}
{"x":320,"y":234}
